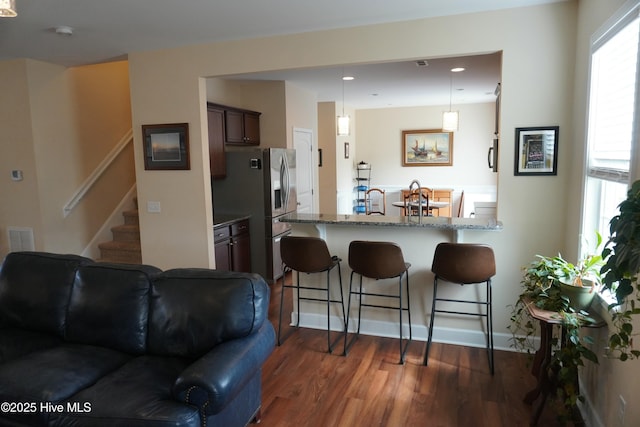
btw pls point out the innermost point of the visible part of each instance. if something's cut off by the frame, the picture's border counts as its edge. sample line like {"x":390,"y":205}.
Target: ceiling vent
{"x":421,"y":63}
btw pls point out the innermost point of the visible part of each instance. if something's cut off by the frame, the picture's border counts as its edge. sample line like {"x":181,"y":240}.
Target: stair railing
{"x":97,"y":173}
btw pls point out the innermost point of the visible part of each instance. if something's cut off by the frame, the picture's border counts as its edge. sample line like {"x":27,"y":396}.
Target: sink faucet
{"x":416,"y":184}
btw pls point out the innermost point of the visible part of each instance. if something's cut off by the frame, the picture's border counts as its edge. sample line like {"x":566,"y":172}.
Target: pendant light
{"x":344,"y":122}
{"x":8,"y":9}
{"x":450,"y":118}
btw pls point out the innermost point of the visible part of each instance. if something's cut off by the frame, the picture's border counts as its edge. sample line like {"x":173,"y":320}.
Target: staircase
{"x":125,"y":246}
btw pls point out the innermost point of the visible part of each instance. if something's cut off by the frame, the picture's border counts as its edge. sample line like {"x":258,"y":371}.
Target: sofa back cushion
{"x":35,"y":289}
{"x":109,"y":306}
{"x":193,"y":310}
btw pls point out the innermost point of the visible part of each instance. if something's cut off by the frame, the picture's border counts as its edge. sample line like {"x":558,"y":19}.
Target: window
{"x":611,"y":122}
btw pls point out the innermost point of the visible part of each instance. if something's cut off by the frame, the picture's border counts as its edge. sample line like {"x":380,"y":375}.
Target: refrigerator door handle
{"x":489,"y":157}
{"x":284,"y":178}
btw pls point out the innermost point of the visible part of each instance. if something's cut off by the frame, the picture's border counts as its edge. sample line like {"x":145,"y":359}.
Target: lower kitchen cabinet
{"x":233,"y":246}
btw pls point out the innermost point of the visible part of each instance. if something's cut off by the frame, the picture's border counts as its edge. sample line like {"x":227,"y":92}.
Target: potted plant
{"x":621,"y":274}
{"x":555,"y":284}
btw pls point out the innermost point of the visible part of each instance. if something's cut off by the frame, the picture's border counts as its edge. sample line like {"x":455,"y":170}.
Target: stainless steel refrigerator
{"x":260,"y":183}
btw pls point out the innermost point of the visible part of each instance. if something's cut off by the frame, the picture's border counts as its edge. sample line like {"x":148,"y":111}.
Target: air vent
{"x":421,"y":63}
{"x":21,"y":239}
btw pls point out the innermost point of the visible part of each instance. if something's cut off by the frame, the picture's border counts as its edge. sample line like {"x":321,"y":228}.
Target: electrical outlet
{"x":622,"y":405}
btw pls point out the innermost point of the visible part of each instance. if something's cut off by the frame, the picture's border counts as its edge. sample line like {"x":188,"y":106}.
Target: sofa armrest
{"x":212,"y":381}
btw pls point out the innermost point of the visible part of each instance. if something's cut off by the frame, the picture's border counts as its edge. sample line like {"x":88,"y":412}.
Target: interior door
{"x":303,"y":143}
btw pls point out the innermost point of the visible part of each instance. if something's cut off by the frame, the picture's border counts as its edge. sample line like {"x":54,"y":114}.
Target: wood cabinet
{"x":233,"y":246}
{"x":217,"y":161}
{"x":442,"y":195}
{"x":229,"y":125}
{"x":242,"y":127}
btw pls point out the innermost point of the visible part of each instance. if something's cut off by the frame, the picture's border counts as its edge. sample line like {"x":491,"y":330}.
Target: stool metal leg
{"x":347,"y":343}
{"x":490,"y":325}
{"x":433,"y":315}
{"x":282,"y":289}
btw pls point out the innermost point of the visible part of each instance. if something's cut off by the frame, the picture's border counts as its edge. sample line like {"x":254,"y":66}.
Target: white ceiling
{"x":107,"y":30}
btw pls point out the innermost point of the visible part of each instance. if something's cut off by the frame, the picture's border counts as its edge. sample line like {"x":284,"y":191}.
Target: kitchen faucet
{"x":417,"y":185}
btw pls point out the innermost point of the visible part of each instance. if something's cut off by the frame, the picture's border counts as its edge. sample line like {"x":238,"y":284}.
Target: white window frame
{"x":592,"y":201}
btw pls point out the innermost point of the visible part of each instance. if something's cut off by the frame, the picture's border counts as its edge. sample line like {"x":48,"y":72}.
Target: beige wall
{"x":69,"y":120}
{"x":328,"y":173}
{"x":20,"y":206}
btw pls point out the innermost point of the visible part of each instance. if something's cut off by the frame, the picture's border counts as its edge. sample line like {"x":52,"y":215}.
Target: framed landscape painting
{"x":430,"y":147}
{"x":166,"y":146}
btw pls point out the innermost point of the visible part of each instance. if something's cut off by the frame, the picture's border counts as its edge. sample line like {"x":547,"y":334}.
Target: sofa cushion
{"x":192,"y":310}
{"x":54,"y":375}
{"x":18,"y":342}
{"x":137,"y":394}
{"x":35,"y":289}
{"x":109,"y":306}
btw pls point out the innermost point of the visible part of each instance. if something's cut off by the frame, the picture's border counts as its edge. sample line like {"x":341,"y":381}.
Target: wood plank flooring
{"x":303,"y":385}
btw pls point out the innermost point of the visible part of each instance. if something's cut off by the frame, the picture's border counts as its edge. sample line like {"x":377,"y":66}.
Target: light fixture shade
{"x":8,"y":8}
{"x":343,"y":125}
{"x":450,"y":121}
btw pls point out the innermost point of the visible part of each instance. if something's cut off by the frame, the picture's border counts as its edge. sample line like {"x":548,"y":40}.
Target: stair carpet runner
{"x":125,"y":246}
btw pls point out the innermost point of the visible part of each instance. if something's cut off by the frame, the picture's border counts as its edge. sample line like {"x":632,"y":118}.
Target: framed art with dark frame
{"x":166,"y":146}
{"x":536,"y":151}
{"x":430,"y":147}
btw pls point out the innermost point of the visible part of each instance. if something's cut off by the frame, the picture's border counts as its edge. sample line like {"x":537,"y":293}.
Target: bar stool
{"x":378,"y":260}
{"x":309,"y":255}
{"x":464,"y":264}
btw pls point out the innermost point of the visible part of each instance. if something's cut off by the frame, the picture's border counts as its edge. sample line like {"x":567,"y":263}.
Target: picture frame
{"x":536,"y":151}
{"x":427,"y":147}
{"x":166,"y":146}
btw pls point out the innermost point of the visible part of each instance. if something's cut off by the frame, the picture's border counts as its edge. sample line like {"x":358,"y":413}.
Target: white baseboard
{"x":420,"y":332}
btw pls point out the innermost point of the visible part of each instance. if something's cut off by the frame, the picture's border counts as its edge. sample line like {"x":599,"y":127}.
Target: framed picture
{"x":166,"y":146}
{"x":536,"y":151}
{"x":431,"y":147}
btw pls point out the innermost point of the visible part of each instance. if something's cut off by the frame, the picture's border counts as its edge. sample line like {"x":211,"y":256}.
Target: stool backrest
{"x":305,"y":254}
{"x":464,"y":262}
{"x":376,"y":260}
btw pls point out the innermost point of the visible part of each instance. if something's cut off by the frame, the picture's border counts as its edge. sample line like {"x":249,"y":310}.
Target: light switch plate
{"x":153,"y":207}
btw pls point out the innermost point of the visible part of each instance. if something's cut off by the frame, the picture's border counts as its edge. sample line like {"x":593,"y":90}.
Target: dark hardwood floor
{"x":303,"y":385}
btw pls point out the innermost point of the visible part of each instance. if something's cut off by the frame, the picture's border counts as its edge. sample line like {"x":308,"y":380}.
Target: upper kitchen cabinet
{"x":242,"y":127}
{"x":217,"y":161}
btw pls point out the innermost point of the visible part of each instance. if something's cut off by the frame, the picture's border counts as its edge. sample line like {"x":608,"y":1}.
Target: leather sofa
{"x":84,"y":343}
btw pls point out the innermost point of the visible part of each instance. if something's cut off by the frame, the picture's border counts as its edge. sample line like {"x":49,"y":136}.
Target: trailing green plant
{"x":541,"y":283}
{"x":620,"y":274}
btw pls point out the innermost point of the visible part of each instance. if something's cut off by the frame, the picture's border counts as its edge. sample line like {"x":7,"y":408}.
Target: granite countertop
{"x":222,"y":220}
{"x":440,"y":223}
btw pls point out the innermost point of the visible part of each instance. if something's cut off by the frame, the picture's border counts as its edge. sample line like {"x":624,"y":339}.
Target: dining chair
{"x":411,"y":199}
{"x":375,"y":201}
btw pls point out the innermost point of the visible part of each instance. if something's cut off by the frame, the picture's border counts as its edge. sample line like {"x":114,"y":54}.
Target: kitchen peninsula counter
{"x":426,"y":222}
{"x":418,"y":240}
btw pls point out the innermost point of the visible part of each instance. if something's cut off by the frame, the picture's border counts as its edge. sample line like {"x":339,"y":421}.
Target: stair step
{"x":122,"y":252}
{"x":131,"y":217}
{"x":126,"y":233}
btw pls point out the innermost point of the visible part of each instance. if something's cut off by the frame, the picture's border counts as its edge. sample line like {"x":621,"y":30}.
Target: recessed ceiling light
{"x":347,"y":78}
{"x":457,"y":69}
{"x":64,"y":30}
